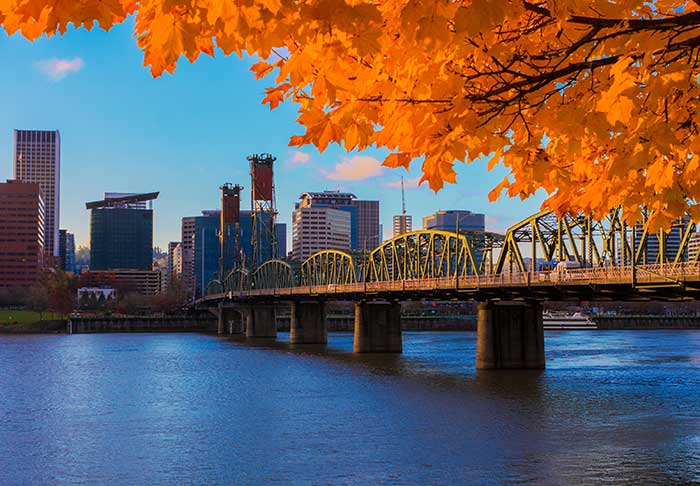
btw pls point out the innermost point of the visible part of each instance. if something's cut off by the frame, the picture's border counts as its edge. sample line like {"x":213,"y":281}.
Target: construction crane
{"x":403,"y":200}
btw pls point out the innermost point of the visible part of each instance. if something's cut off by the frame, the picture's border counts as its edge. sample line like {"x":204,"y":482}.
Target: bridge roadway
{"x":509,"y":334}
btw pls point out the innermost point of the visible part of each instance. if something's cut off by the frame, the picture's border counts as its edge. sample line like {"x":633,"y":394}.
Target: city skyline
{"x":185,"y":135}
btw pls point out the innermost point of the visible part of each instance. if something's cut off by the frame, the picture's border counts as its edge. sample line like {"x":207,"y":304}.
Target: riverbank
{"x":38,"y":327}
{"x":15,"y":321}
{"x":27,"y":322}
{"x":84,"y":325}
{"x":647,"y":322}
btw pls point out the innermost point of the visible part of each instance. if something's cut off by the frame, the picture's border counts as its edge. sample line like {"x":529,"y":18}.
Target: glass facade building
{"x":206,"y":246}
{"x":66,"y":250}
{"x":121,"y":238}
{"x":448,"y":221}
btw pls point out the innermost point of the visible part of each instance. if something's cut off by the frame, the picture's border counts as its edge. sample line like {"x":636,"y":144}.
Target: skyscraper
{"x":448,"y":221}
{"x":650,"y":253}
{"x":173,"y":263}
{"x":367,"y":228}
{"x":318,"y":228}
{"x":471,"y":224}
{"x":187,"y":254}
{"x":66,"y":250}
{"x":37,"y":159}
{"x":121,"y":236}
{"x":21,"y":233}
{"x":402,"y":223}
{"x":341,"y":201}
{"x":364,"y":220}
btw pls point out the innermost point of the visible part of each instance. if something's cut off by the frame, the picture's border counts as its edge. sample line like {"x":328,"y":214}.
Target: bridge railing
{"x":652,"y":274}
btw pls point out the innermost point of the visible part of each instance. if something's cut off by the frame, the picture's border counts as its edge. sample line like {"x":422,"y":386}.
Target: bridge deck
{"x":668,"y":281}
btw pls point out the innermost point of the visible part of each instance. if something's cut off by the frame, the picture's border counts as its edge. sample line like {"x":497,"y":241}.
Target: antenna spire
{"x":403,"y":199}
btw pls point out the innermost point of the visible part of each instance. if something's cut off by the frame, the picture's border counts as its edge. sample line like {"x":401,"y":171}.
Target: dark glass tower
{"x":121,"y":238}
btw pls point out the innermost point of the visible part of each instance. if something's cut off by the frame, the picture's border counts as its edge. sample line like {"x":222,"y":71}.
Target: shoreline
{"x":88,"y":325}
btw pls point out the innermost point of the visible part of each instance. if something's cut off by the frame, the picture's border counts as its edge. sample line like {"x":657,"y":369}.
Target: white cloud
{"x":56,"y":69}
{"x":299,"y":158}
{"x":357,"y":168}
{"x":412,"y":183}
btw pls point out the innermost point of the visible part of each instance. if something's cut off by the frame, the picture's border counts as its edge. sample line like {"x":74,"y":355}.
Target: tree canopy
{"x":593,"y":101}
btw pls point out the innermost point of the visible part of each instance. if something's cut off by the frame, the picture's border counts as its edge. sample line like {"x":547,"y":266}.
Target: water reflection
{"x":614,"y":407}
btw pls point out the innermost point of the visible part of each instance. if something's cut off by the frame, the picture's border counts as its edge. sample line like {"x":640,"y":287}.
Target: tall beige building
{"x":187,"y":254}
{"x":319,"y":228}
{"x":37,"y":159}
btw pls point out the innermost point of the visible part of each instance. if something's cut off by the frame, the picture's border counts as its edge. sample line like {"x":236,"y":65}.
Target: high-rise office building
{"x":367,"y":227}
{"x":21,"y":233}
{"x":66,"y":250}
{"x":37,"y":159}
{"x":452,"y":220}
{"x":364,"y":218}
{"x":652,"y":248}
{"x":201,"y":248}
{"x":281,"y":239}
{"x":173,"y":263}
{"x":316,"y":228}
{"x":121,"y":237}
{"x":342,"y":201}
{"x":187,"y":248}
{"x":466,"y":222}
{"x":206,"y":249}
{"x":402,"y":223}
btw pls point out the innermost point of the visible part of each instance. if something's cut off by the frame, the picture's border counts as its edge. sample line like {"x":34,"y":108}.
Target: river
{"x":613,"y":407}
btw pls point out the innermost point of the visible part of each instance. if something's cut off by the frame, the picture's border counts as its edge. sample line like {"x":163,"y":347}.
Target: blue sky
{"x":184,"y":135}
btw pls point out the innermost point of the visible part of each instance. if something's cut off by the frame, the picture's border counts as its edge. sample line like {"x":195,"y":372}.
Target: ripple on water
{"x":157,"y":409}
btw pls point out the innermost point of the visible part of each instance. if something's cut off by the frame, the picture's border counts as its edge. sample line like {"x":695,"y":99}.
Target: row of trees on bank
{"x":57,"y":292}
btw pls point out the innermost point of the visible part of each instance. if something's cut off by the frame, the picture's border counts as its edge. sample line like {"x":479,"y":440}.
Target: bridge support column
{"x":377,"y":327}
{"x":229,"y":321}
{"x":308,"y":323}
{"x":510,"y":336}
{"x":260,"y":321}
{"x":220,"y":320}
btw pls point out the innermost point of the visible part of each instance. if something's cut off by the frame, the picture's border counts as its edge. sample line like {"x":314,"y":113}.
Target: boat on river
{"x":560,"y":321}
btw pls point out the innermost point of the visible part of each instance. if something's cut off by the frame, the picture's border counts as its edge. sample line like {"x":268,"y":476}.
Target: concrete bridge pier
{"x":308,"y":323}
{"x":377,"y":327}
{"x":260,"y":321}
{"x":510,"y":336}
{"x":229,"y":321}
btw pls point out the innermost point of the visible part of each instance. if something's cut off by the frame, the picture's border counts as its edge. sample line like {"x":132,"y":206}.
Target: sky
{"x":185,"y":134}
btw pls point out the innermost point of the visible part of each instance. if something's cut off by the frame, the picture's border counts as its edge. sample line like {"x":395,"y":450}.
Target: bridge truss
{"x":430,"y":254}
{"x":592,"y":243}
{"x":328,"y":267}
{"x":422,"y":254}
{"x":273,"y":274}
{"x":237,"y":279}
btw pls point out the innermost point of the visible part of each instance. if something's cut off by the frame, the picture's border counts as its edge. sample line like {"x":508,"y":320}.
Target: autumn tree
{"x":62,"y":289}
{"x":593,"y":101}
{"x":38,"y":299}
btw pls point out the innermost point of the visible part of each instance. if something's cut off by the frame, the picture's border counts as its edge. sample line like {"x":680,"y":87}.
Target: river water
{"x":188,"y":409}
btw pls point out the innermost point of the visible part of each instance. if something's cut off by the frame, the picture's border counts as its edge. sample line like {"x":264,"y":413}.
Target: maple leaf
{"x":401,"y":159}
{"x":593,"y":101}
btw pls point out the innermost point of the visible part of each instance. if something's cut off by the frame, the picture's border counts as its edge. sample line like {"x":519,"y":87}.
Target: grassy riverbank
{"x":23,"y":321}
